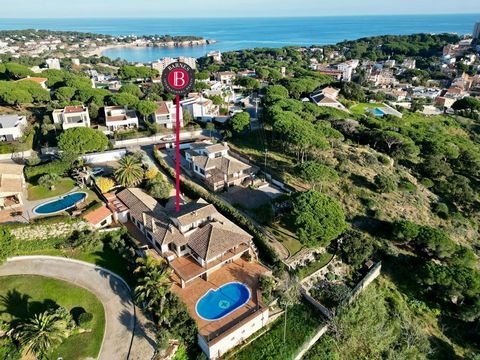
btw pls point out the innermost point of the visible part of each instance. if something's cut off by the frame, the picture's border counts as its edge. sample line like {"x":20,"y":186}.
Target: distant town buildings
{"x":216,"y":56}
{"x":476,"y":31}
{"x":162,"y":64}
{"x":225,"y":77}
{"x":53,"y":64}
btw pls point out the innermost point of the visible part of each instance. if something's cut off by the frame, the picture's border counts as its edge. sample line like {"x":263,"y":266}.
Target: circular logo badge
{"x":178,"y":78}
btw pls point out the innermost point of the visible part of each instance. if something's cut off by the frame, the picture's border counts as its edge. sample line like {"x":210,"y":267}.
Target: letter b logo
{"x":179,"y":79}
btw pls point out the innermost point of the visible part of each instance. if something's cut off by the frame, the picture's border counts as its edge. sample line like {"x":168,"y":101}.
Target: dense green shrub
{"x":384,"y":183}
{"x":441,"y":210}
{"x":33,"y":173}
{"x":84,"y":318}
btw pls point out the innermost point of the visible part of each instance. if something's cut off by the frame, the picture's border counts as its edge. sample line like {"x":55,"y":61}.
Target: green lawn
{"x":302,"y":322}
{"x":37,"y":192}
{"x":361,"y":109}
{"x":102,"y":256}
{"x":23,"y":296}
{"x":286,"y":237}
{"x":314,"y":266}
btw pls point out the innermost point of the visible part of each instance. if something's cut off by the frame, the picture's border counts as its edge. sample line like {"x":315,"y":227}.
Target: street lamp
{"x":266,"y":154}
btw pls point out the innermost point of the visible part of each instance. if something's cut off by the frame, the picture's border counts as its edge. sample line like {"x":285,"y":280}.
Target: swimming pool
{"x":377,"y":112}
{"x":216,"y":304}
{"x":62,"y":204}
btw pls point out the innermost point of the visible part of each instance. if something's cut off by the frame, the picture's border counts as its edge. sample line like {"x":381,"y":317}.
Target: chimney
{"x":154,"y":226}
{"x":144,"y":216}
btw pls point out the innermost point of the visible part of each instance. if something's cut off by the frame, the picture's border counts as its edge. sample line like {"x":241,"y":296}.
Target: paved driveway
{"x":111,"y":291}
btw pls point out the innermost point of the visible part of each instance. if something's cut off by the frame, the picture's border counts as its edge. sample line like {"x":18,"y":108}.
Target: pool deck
{"x":238,"y":271}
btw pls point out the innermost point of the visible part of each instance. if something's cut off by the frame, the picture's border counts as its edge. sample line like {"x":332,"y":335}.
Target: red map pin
{"x":178,"y":79}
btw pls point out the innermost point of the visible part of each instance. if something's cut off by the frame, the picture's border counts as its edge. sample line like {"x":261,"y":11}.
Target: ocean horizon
{"x":255,"y":32}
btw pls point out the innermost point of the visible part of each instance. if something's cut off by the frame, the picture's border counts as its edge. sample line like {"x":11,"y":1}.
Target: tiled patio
{"x":238,"y":271}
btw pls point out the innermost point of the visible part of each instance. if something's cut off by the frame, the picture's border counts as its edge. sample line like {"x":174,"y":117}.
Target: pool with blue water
{"x":64,"y":203}
{"x":216,"y":304}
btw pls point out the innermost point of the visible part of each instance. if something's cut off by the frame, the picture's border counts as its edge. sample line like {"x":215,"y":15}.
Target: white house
{"x":347,"y":68}
{"x":327,"y":97}
{"x":166,"y":114}
{"x":120,"y":118}
{"x":217,"y":88}
{"x":225,"y":77}
{"x":71,"y":117}
{"x":215,"y":166}
{"x":12,"y":127}
{"x":53,"y":63}
{"x":200,"y":108}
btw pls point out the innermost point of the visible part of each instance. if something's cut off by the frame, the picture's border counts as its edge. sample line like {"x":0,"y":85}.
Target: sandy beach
{"x":98,"y":51}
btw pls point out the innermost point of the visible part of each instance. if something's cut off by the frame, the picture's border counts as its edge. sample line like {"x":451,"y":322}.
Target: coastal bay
{"x":243,"y":33}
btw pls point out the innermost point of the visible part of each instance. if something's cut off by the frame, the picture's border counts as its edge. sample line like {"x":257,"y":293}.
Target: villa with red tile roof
{"x":206,"y":251}
{"x":39,"y":80}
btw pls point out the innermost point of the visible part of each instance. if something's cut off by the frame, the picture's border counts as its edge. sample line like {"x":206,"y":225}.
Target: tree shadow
{"x":15,"y":304}
{"x":441,"y":350}
{"x":20,"y":307}
{"x":139,"y":330}
{"x":362,"y":181}
{"x":76,"y":312}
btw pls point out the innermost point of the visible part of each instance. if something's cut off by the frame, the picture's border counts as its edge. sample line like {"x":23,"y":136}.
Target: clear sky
{"x":228,"y":8}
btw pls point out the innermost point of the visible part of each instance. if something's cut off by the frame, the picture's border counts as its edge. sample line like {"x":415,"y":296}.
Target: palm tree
{"x":290,"y":294}
{"x":42,"y":332}
{"x":153,"y":285}
{"x":130,"y":172}
{"x":49,"y":181}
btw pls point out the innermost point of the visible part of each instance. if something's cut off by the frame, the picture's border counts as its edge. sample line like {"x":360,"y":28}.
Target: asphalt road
{"x":113,"y":293}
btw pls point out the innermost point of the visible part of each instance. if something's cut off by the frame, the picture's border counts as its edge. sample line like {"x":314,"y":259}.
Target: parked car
{"x":97,"y":171}
{"x":168,"y":138}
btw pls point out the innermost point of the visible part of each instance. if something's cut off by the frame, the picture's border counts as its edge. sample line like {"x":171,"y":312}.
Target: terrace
{"x":240,"y":271}
{"x":188,"y":268}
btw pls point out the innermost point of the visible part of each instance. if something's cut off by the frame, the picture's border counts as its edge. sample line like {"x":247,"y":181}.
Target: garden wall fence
{"x":18,"y":155}
{"x":156,"y":139}
{"x":367,"y":280}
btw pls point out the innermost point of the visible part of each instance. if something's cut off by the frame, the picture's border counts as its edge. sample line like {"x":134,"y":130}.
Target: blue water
{"x":242,"y":33}
{"x":377,"y":112}
{"x":216,"y":304}
{"x":67,"y":202}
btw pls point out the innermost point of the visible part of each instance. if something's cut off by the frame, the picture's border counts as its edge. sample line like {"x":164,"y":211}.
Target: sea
{"x":255,"y":32}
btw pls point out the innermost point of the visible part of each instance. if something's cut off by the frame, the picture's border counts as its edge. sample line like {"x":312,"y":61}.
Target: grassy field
{"x":362,"y":108}
{"x":286,"y":237}
{"x":37,"y":192}
{"x":23,"y":296}
{"x":315,"y":266}
{"x":103,"y":256}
